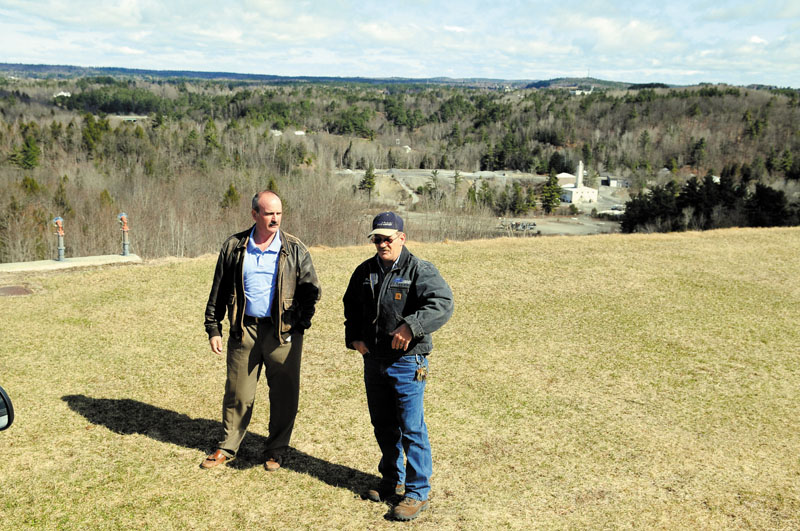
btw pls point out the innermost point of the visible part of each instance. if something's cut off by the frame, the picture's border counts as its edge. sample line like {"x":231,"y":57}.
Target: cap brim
{"x":382,"y":232}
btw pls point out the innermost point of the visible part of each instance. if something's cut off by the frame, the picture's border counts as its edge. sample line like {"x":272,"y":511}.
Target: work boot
{"x":409,"y":508}
{"x":273,"y":463}
{"x":384,"y":492}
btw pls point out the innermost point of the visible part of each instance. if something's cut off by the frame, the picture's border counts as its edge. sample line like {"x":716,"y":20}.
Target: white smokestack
{"x":579,"y":177}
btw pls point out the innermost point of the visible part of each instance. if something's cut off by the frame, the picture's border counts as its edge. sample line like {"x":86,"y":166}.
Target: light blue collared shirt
{"x":260,"y":276}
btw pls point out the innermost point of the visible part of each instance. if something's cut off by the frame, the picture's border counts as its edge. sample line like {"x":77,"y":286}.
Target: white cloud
{"x":140,"y":35}
{"x":736,"y":41}
{"x":607,"y":34}
{"x":303,"y":28}
{"x":272,"y":9}
{"x":130,"y":51}
{"x":790,"y":10}
{"x":83,"y":13}
{"x":224,"y":34}
{"x":388,"y":33}
{"x":754,"y":12}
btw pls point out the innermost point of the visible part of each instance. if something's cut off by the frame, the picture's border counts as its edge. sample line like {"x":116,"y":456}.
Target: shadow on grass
{"x":126,"y":416}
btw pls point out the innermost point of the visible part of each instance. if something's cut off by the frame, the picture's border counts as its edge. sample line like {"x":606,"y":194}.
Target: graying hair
{"x":254,"y":202}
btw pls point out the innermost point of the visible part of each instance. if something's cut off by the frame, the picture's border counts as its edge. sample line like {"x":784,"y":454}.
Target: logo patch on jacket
{"x":401,"y":283}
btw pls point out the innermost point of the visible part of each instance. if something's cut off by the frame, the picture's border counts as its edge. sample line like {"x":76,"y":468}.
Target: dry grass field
{"x":613,"y":381}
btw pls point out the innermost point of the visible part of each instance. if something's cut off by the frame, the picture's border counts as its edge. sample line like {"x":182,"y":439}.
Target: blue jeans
{"x":394,"y":398}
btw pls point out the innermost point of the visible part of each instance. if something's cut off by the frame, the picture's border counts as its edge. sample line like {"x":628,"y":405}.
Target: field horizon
{"x":606,"y":381}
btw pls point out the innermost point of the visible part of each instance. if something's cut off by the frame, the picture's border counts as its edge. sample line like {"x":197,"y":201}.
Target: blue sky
{"x":677,"y":42}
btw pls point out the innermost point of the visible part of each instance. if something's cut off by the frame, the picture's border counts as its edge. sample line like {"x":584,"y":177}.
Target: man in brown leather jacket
{"x":265,"y":282}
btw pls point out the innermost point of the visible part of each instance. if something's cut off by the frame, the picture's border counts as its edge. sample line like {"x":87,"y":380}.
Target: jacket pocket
{"x":288,"y":315}
{"x":230,"y":306}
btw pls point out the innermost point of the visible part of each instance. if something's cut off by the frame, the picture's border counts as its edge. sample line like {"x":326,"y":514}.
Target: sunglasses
{"x":377,"y":240}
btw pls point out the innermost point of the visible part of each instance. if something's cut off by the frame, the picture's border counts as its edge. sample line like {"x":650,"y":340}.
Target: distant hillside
{"x":108,"y":140}
{"x":578,"y":82}
{"x":70,"y":72}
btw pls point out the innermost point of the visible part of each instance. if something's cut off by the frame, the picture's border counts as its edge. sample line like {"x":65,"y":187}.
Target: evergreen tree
{"x":503,"y":203}
{"x":457,"y":179}
{"x":27,"y":155}
{"x":159,"y":120}
{"x":551,"y":193}
{"x":60,"y":198}
{"x":347,"y":159}
{"x":210,"y":135}
{"x":794,"y":171}
{"x":519,"y":202}
{"x":698,"y":153}
{"x":30,"y":153}
{"x":786,"y":161}
{"x":455,"y":135}
{"x":488,"y":160}
{"x":768,"y":208}
{"x":586,"y":153}
{"x":92,"y":131}
{"x":368,"y":182}
{"x":486,"y":195}
{"x":31,"y":186}
{"x":557,"y":163}
{"x":472,"y":195}
{"x":230,"y":198}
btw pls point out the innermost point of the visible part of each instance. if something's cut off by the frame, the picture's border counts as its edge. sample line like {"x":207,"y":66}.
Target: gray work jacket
{"x":412,"y":292}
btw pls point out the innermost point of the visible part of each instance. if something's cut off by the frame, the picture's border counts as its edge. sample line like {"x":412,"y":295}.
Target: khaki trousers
{"x":259,"y":347}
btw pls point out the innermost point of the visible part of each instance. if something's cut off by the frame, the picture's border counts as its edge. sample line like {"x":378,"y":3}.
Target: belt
{"x":250,"y":320}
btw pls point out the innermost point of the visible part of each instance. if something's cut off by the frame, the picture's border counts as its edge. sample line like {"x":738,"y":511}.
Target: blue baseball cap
{"x":386,"y":224}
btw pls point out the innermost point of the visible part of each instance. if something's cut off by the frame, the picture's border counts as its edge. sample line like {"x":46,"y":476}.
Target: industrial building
{"x":577,"y":193}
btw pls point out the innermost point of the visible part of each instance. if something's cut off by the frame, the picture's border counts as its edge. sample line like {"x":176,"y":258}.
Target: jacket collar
{"x":245,"y":235}
{"x":405,"y":256}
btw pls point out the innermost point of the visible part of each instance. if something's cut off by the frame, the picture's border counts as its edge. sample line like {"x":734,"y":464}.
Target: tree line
{"x":184,"y":160}
{"x":637,"y":132}
{"x":709,"y":203}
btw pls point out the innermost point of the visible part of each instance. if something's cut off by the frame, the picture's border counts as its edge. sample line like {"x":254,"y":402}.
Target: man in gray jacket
{"x":266,"y":283}
{"x":393,"y":303}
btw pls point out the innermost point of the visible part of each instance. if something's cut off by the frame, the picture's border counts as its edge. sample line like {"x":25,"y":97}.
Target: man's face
{"x":268,"y":217}
{"x":389,"y":247}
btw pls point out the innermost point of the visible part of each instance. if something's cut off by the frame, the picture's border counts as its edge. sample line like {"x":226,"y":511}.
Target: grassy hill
{"x":644,"y":381}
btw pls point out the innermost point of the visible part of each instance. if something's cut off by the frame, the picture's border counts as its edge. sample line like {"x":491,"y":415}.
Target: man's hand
{"x":361,"y":347}
{"x":216,"y":344}
{"x":401,"y":337}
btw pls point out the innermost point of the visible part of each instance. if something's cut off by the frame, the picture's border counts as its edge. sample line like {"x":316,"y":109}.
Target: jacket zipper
{"x":381,"y":293}
{"x":241,"y":308}
{"x":279,"y":296}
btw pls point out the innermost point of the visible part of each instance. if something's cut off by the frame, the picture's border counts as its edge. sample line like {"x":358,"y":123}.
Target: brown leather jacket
{"x":297,"y":293}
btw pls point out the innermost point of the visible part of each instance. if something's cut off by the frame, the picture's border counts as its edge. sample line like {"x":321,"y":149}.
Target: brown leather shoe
{"x":272,"y":464}
{"x":384,"y":492}
{"x":217,"y":458}
{"x":409,"y":508}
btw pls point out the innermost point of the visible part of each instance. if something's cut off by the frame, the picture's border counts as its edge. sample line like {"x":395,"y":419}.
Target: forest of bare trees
{"x":185,"y":167}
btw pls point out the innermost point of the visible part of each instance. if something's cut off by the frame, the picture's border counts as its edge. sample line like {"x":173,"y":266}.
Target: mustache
{"x":273,"y":224}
